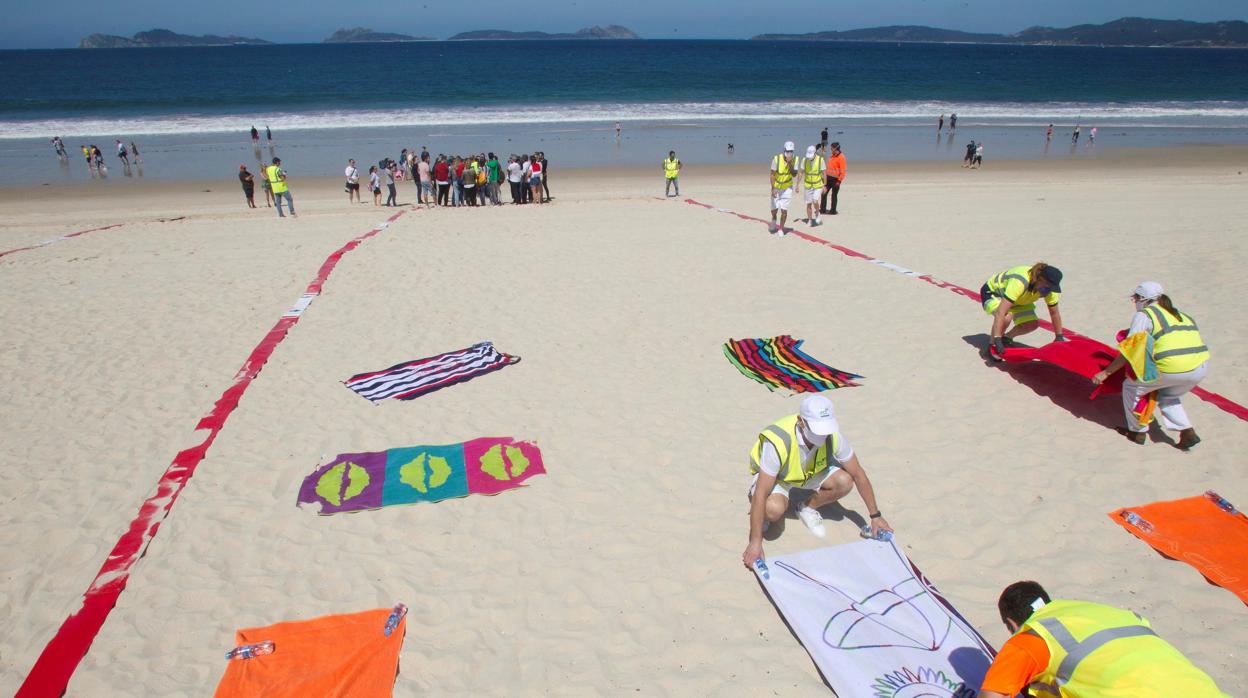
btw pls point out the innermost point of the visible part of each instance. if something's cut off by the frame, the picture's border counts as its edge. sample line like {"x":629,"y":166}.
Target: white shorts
{"x":782,"y":488}
{"x":812,"y":195}
{"x":781,"y":200}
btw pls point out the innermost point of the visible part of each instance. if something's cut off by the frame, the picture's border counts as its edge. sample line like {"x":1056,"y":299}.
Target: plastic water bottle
{"x":883,"y":536}
{"x":392,"y":621}
{"x":249,"y":651}
{"x":1138,"y":521}
{"x":761,"y":566}
{"x":1221,"y":502}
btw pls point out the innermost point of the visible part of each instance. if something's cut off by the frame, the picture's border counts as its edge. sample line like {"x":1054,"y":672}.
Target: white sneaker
{"x":813,"y":520}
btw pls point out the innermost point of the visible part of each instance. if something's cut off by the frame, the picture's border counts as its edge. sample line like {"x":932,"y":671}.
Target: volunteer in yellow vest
{"x":277,"y":180}
{"x":783,"y":171}
{"x":813,"y":170}
{"x":1012,"y":294}
{"x":671,"y":172}
{"x":804,"y":451}
{"x":1079,"y":649}
{"x":1182,"y":361}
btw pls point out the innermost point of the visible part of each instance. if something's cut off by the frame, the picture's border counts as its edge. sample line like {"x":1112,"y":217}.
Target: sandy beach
{"x":620,"y":570}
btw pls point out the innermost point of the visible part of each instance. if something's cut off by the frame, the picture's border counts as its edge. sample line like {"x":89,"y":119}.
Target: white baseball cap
{"x":810,"y":151}
{"x":1149,"y":290}
{"x":819,"y":415}
{"x":788,"y":146}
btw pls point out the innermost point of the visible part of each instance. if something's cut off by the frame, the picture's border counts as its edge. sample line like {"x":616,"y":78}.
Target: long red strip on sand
{"x":1223,"y":403}
{"x":66,"y":236}
{"x":56,"y":664}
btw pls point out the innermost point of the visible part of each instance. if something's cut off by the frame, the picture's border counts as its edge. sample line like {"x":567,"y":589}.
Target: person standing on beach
{"x":617,"y":130}
{"x":836,"y":176}
{"x":1011,"y":295}
{"x":545,"y":175}
{"x":392,"y":194}
{"x":953,"y":122}
{"x":134,"y":152}
{"x":352,"y":174}
{"x":940,"y":123}
{"x":442,"y":175}
{"x":970,"y":154}
{"x":978,"y":160}
{"x":804,"y":451}
{"x":59,"y":146}
{"x":1048,"y":136}
{"x":536,"y":169}
{"x":494,"y":178}
{"x":426,"y":183}
{"x":782,"y":170}
{"x":248,"y":181}
{"x":814,"y":170}
{"x":374,"y":184}
{"x":255,"y":137}
{"x":1080,"y":649}
{"x":671,"y":173}
{"x":514,"y":173}
{"x":1181,"y":358}
{"x":1074,"y":137}
{"x":823,"y":139}
{"x":268,"y":135}
{"x":277,"y":180}
{"x":1092,"y":136}
{"x":122,"y":154}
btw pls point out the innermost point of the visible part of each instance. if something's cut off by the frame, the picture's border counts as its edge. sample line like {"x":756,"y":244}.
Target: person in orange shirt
{"x":1116,"y":653}
{"x":836,"y":175}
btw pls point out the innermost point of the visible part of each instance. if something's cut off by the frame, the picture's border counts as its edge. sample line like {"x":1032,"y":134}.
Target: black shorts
{"x":376,"y":190}
{"x":353,"y":186}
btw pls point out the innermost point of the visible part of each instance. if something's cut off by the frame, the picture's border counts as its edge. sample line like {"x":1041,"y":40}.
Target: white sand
{"x":619,"y":570}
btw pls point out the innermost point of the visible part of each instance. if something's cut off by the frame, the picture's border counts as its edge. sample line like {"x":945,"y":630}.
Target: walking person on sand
{"x":277,"y":179}
{"x":248,"y":181}
{"x":781,"y":176}
{"x":814,"y":169}
{"x":804,"y":451}
{"x":671,"y":173}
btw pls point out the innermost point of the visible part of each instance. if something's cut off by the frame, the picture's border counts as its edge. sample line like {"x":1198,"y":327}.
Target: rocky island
{"x":163,"y":38}
{"x":360,"y":35}
{"x":613,"y":31}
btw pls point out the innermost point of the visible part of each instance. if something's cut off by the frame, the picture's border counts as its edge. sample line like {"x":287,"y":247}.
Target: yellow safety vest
{"x":783,"y":172}
{"x":1014,"y":281}
{"x":782,"y":435}
{"x":814,"y":179}
{"x":671,"y":167}
{"x":1177,"y":347}
{"x":279,"y":184}
{"x":1096,"y":651}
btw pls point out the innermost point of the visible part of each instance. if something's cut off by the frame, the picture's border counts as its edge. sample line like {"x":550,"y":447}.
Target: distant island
{"x":163,"y":37}
{"x":1128,"y":31}
{"x":613,"y":31}
{"x":360,"y":35}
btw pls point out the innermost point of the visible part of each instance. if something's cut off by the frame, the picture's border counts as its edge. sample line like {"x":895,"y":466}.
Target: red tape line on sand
{"x":66,"y":236}
{"x":1223,"y":403}
{"x":52,"y":671}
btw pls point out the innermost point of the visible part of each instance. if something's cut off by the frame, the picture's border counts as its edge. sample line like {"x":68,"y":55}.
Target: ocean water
{"x":190,"y":108}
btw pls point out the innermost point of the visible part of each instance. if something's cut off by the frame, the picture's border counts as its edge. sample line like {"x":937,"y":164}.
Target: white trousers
{"x":1170,"y":387}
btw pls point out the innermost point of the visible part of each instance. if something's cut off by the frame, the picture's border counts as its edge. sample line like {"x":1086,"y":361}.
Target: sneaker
{"x":780,"y":233}
{"x":813,"y":520}
{"x":1188,"y":439}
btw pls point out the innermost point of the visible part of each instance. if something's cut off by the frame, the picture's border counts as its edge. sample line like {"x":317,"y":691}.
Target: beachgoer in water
{"x":255,"y":137}
{"x":953,"y":122}
{"x":940,"y":123}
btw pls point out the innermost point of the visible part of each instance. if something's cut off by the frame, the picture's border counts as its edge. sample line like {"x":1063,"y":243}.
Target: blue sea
{"x":190,"y":109}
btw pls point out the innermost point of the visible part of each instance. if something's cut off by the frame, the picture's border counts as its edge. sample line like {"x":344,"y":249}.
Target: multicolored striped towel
{"x":779,"y":363}
{"x":412,"y":379}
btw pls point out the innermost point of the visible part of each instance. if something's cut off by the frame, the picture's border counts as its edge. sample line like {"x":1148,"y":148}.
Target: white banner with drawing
{"x":874,"y":625}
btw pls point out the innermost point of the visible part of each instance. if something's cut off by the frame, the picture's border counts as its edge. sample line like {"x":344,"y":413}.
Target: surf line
{"x":1221,"y":402}
{"x":60,"y":657}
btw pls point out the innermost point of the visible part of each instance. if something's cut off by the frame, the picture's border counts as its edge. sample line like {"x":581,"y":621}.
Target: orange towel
{"x":344,"y":655}
{"x":1200,"y":533}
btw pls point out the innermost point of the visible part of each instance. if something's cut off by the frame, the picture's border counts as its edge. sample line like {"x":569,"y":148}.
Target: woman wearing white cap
{"x":782,"y":171}
{"x":804,"y":451}
{"x":1182,"y":361}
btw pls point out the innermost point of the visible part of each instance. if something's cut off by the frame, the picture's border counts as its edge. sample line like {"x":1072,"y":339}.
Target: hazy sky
{"x":43,"y":24}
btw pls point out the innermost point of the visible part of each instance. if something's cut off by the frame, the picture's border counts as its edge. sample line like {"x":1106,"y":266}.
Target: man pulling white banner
{"x":874,"y":625}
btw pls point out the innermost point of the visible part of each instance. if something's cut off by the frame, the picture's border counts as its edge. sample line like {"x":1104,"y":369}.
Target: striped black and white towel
{"x":411,"y":379}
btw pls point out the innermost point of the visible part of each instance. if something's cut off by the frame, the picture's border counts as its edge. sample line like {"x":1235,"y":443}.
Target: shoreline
{"x":1231,"y":159}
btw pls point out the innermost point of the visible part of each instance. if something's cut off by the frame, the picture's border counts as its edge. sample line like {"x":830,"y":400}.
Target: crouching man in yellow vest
{"x":804,"y":451}
{"x":1079,"y":649}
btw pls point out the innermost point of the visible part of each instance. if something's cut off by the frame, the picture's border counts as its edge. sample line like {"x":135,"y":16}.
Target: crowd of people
{"x":95,"y":157}
{"x":455,"y":180}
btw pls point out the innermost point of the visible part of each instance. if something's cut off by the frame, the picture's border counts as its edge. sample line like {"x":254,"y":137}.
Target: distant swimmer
{"x":940,"y":123}
{"x":1179,"y":354}
{"x":953,"y":122}
{"x":1080,"y":649}
{"x":1012,"y":295}
{"x":782,"y":170}
{"x":804,"y":451}
{"x":671,"y":173}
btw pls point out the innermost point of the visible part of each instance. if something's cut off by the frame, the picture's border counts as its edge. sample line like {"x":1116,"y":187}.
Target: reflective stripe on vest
{"x":278,"y":184}
{"x":671,"y":168}
{"x":792,"y":469}
{"x":814,"y":180}
{"x":998,"y":283}
{"x":1077,"y":651}
{"x":1168,"y":345}
{"x":783,"y":172}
